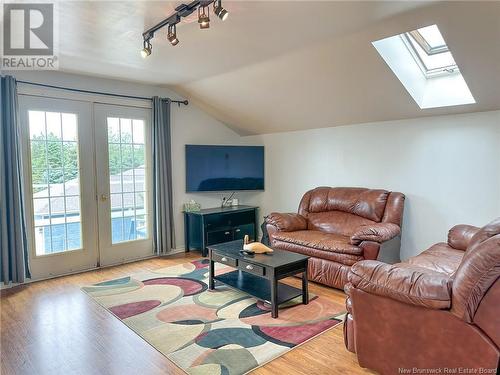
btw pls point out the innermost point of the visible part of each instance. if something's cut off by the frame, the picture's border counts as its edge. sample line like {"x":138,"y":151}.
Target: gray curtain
{"x":163,"y":213}
{"x":13,"y":242}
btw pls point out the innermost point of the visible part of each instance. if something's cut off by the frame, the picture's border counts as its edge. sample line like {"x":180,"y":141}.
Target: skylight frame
{"x":408,"y":39}
{"x":420,"y":39}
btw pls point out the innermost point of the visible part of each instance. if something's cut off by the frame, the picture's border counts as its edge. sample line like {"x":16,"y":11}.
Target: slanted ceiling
{"x":278,"y":66}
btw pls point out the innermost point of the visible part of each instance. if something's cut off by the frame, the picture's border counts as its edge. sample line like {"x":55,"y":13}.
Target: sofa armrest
{"x":378,"y":232}
{"x":287,"y":222}
{"x":460,"y":235}
{"x":405,"y":283}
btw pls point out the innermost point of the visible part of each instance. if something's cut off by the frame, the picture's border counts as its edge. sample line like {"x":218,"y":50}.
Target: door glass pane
{"x":69,"y":128}
{"x":55,"y":181}
{"x":127,"y":171}
{"x":54,"y":131}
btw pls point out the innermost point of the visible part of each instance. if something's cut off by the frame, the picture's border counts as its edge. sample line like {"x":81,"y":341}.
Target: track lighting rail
{"x":181,"y":11}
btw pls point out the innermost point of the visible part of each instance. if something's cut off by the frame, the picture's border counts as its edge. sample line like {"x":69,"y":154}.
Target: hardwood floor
{"x":52,"y":327}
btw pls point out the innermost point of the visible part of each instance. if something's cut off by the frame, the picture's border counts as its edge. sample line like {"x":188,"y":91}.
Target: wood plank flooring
{"x":52,"y":327}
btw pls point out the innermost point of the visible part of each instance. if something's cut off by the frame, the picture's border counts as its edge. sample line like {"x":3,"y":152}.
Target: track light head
{"x":172,"y":38}
{"x":146,"y":51}
{"x":220,"y":11}
{"x":172,"y":35}
{"x":204,"y":18}
{"x":223,"y":14}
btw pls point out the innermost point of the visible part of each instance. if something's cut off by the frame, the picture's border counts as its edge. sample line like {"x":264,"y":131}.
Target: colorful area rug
{"x":210,"y":332}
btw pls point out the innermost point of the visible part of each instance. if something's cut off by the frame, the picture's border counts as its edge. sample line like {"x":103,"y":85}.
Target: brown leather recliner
{"x":438,"y":310}
{"x":338,"y":227}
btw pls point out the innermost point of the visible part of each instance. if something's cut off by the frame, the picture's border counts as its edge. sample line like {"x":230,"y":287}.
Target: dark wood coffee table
{"x":258,"y":275}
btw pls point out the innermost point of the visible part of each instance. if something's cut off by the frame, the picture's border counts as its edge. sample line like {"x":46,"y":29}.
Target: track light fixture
{"x":183,"y":10}
{"x":204,"y":17}
{"x":220,"y":11}
{"x":172,"y":35}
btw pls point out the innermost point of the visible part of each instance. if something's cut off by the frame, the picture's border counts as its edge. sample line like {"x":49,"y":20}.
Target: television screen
{"x":224,"y":168}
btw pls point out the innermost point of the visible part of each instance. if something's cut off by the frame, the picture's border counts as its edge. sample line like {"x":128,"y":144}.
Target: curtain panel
{"x":163,"y":223}
{"x":13,"y":240}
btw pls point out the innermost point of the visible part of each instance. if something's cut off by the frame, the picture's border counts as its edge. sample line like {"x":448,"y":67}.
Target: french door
{"x":123,"y":182}
{"x":59,"y":162}
{"x":87,"y":188}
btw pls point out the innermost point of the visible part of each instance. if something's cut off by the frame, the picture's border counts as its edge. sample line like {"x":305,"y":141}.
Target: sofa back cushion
{"x":337,"y":222}
{"x":479,"y":270}
{"x":366,"y":203}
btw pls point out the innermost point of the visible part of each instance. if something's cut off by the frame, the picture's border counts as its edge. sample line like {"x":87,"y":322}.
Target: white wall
{"x":448,"y":167}
{"x":189,"y":126}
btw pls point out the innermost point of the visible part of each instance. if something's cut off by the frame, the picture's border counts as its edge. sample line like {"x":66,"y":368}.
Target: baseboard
{"x":179,"y":250}
{"x":3,"y":286}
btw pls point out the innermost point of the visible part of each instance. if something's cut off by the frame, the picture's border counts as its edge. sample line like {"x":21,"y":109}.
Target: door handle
{"x":104,"y":197}
{"x":227,"y":233}
{"x":238,"y":230}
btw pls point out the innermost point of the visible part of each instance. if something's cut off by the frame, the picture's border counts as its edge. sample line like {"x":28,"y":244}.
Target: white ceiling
{"x":278,"y":66}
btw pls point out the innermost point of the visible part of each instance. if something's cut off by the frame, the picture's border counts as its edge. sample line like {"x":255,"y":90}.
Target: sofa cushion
{"x":367,"y":203}
{"x":345,"y":259}
{"x":320,"y":240}
{"x":439,"y":257}
{"x":336,"y":222}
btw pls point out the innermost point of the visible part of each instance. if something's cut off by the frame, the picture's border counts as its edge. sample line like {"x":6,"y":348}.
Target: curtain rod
{"x":179,"y":102}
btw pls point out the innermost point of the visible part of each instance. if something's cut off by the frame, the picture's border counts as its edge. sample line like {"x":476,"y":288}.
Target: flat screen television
{"x":224,"y":168}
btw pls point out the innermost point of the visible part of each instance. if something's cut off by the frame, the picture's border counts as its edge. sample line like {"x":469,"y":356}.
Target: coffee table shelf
{"x":257,"y":287}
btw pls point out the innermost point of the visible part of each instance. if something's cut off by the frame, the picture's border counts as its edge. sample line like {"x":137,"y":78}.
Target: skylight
{"x":424,"y":64}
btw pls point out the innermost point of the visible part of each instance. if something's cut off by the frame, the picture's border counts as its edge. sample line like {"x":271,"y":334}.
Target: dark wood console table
{"x":217,"y":225}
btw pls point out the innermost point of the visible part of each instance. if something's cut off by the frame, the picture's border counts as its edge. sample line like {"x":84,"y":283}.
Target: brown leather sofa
{"x":338,"y":227}
{"x":438,"y":310}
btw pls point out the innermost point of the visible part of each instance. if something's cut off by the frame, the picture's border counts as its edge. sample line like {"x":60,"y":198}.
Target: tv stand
{"x":211,"y":226}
